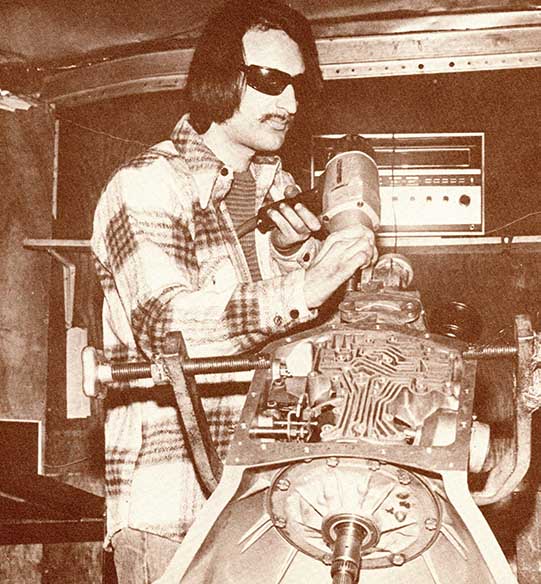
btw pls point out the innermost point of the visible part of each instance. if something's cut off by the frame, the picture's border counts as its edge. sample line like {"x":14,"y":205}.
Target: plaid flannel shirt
{"x":168,"y":259}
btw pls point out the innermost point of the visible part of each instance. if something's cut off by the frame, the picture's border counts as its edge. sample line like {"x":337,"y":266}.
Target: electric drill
{"x":347,"y":192}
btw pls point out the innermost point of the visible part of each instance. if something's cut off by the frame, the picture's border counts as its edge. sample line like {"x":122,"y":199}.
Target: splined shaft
{"x":347,"y":550}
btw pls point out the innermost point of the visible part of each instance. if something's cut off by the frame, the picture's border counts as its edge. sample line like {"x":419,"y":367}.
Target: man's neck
{"x":235,"y":155}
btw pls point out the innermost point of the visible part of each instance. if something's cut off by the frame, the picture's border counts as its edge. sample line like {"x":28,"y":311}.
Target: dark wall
{"x":25,"y":212}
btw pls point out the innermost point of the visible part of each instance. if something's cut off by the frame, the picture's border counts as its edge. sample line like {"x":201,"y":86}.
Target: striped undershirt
{"x":240,"y":202}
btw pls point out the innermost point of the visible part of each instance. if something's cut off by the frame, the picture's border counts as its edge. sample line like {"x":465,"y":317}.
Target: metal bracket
{"x":194,"y":421}
{"x":505,"y":477}
{"x":68,"y":269}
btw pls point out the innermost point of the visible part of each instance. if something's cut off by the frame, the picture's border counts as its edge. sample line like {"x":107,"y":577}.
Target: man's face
{"x":262,"y":121}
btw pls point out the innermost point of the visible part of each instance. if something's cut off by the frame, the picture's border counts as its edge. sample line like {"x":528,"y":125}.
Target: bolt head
{"x":327,"y":559}
{"x":404,"y":478}
{"x":398,"y":559}
{"x":431,"y":523}
{"x":374,"y":465}
{"x":283,"y":484}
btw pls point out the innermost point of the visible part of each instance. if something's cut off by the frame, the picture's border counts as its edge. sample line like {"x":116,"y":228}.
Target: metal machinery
{"x":350,"y":461}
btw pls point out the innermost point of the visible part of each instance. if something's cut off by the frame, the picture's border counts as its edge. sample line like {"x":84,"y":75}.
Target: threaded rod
{"x":129,"y":371}
{"x":490,"y":352}
{"x":225,"y":364}
{"x":202,"y":365}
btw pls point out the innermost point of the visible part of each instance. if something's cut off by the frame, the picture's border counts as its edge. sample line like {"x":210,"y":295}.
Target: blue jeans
{"x":141,"y":557}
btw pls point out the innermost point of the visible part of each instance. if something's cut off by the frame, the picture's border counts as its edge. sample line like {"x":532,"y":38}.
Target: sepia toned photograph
{"x":270,"y":292}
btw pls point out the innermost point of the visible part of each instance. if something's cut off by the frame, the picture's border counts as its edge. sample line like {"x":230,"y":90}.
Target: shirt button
{"x":306,"y":257}
{"x":278,"y":320}
{"x":224,"y":171}
{"x":294,"y":314}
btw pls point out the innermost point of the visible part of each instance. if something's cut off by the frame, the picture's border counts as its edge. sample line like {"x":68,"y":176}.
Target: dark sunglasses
{"x":272,"y":81}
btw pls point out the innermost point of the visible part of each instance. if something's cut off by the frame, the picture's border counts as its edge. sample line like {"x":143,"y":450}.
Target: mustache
{"x":286,"y":119}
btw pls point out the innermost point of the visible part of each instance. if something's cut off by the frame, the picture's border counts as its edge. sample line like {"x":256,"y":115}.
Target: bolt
{"x":332,"y":462}
{"x":280,"y":522}
{"x":283,"y":484}
{"x":398,"y":559}
{"x":431,"y":523}
{"x":327,"y":559}
{"x":404,"y":478}
{"x":374,"y":465}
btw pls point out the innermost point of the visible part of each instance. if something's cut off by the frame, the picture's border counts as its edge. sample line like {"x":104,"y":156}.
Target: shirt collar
{"x":211,"y":176}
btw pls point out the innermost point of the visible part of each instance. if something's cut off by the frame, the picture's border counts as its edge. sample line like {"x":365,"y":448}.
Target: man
{"x":169,"y":259}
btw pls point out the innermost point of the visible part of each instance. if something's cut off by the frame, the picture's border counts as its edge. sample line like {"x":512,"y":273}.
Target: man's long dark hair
{"x":213,"y":89}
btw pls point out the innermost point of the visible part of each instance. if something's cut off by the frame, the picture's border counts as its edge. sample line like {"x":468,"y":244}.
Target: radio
{"x":430,"y":184}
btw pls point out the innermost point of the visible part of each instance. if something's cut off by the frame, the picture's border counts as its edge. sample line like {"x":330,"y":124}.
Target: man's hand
{"x":294,"y":225}
{"x":342,"y":254}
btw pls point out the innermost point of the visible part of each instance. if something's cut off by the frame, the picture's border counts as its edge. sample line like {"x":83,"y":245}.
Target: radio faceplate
{"x":430,"y":184}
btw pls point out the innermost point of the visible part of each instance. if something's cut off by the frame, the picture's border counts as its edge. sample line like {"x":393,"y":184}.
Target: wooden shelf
{"x":405,"y":244}
{"x":66,"y":244}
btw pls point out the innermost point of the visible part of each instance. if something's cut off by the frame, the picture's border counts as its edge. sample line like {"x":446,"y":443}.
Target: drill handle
{"x":311,"y":199}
